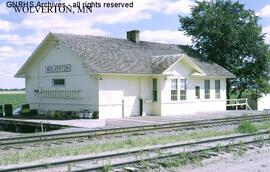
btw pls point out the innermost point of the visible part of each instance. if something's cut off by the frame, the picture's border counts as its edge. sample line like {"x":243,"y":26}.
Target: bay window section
{"x":207,"y":89}
{"x":183,"y":89}
{"x":174,"y":89}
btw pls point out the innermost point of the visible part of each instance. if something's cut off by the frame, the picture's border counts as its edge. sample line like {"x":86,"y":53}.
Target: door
{"x":197,"y":92}
{"x":198,"y":98}
{"x":131,"y":97}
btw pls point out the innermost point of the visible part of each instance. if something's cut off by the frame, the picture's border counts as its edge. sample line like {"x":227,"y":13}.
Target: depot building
{"x":120,"y":77}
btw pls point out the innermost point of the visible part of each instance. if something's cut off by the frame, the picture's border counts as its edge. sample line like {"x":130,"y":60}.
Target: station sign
{"x":58,"y":68}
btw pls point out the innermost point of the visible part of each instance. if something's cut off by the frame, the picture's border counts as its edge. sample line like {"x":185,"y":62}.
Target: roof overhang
{"x":197,"y":74}
{"x":131,"y":74}
{"x":208,"y":76}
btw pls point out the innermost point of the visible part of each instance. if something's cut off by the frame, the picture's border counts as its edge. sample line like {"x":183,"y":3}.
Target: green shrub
{"x":66,"y":115}
{"x":25,"y":109}
{"x":34,"y":112}
{"x":52,"y":114}
{"x":246,"y":127}
{"x":95,"y":115}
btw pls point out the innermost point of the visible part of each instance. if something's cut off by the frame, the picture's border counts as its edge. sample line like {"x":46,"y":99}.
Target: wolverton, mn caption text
{"x":62,"y":7}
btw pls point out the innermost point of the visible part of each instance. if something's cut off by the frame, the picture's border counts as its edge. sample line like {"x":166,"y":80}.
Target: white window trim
{"x":209,"y":89}
{"x":155,"y":89}
{"x":178,"y":89}
{"x":219,"y":89}
{"x":179,"y":80}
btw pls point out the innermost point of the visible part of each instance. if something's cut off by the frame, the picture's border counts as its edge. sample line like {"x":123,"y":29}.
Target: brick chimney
{"x":133,"y":35}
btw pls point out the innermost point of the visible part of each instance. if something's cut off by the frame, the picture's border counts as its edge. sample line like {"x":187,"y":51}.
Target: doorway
{"x":131,"y":99}
{"x":197,"y":92}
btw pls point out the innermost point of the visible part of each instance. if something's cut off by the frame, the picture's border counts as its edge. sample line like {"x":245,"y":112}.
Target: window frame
{"x":174,"y":91}
{"x":58,"y":84}
{"x":217,"y":89}
{"x":207,"y":89}
{"x":183,"y":92}
{"x":155,"y":90}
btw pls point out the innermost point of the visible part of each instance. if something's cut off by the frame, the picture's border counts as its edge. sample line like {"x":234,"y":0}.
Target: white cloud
{"x":165,"y":36}
{"x":3,"y":9}
{"x":142,"y":10}
{"x":84,"y":23}
{"x":265,"y":11}
{"x":44,"y":23}
{"x":123,"y":17}
{"x":266,"y":30}
{"x":7,"y":72}
{"x":9,"y":67}
{"x":179,"y":7}
{"x":9,"y":61}
{"x":15,"y":39}
{"x":7,"y":52}
{"x":267,"y":38}
{"x":5,"y":49}
{"x":5,"y":25}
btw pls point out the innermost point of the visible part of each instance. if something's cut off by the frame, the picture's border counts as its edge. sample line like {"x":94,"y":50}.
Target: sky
{"x":157,"y":21}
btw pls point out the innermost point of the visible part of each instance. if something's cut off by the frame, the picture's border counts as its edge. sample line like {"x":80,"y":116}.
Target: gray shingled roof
{"x":113,"y":55}
{"x":161,"y":63}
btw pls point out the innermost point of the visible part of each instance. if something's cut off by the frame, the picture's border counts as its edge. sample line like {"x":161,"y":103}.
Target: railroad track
{"x":204,"y":148}
{"x":188,"y":125}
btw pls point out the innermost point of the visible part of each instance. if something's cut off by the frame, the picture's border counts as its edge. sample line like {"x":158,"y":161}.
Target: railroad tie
{"x":130,"y":169}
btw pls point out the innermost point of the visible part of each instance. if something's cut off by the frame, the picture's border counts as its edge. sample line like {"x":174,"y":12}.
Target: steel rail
{"x":111,"y":155}
{"x":94,"y":133}
{"x":169,"y":155}
{"x":135,"y":127}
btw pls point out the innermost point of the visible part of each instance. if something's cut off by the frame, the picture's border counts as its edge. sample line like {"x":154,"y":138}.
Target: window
{"x":217,"y":89}
{"x":58,"y":82}
{"x":174,"y":89}
{"x":197,"y":92}
{"x":207,"y":89}
{"x":154,"y":89}
{"x":183,"y":89}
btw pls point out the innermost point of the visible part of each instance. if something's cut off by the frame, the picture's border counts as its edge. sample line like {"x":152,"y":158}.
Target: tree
{"x":226,"y":33}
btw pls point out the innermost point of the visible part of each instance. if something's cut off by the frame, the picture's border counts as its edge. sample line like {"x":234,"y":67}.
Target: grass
{"x":107,"y":167}
{"x":72,"y":150}
{"x":249,"y":127}
{"x":264,"y":125}
{"x":16,"y":99}
{"x":180,"y":160}
{"x":246,"y":127}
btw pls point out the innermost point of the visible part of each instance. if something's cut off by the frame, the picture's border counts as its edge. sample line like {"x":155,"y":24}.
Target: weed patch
{"x":246,"y":127}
